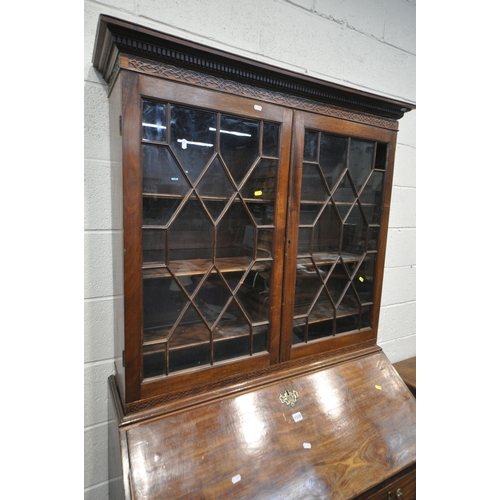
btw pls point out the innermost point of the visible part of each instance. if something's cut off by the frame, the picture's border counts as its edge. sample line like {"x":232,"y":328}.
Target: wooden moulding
{"x":349,"y":433}
{"x":145,"y":46}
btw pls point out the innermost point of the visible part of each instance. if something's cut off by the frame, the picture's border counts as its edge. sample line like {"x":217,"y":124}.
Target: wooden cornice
{"x":115,"y":37}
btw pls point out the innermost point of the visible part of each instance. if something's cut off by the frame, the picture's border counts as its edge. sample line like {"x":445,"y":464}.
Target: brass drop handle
{"x":399,"y":494}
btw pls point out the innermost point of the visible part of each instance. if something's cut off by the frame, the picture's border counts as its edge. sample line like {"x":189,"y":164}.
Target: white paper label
{"x":307,"y":446}
{"x":297,"y":416}
{"x":236,"y":478}
{"x":257,"y":107}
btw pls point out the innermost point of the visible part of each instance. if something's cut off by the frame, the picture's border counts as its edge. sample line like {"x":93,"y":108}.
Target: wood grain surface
{"x":351,"y":428}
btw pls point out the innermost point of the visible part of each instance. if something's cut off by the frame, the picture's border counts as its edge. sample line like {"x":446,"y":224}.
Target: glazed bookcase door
{"x":340,"y":189}
{"x":213,"y":176}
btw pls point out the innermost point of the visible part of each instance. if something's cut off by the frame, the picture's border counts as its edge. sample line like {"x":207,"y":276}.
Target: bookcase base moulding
{"x":255,"y":217}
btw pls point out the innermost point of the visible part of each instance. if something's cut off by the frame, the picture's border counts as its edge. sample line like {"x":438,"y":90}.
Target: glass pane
{"x":261,"y":184}
{"x":327,"y":231}
{"x":347,"y":323}
{"x":215,"y":182}
{"x":163,"y":301}
{"x":381,"y":156}
{"x":214,"y":208}
{"x":332,"y":158}
{"x":337,"y":282}
{"x":371,"y":197}
{"x":344,"y":196}
{"x":373,"y":233}
{"x":305,"y":240}
{"x":310,"y":146}
{"x":264,"y":243}
{"x":191,"y":234}
{"x":154,"y":361}
{"x":207,"y":299}
{"x":234,"y":346}
{"x":366,"y":314}
{"x":189,"y":345}
{"x":363,"y":281}
{"x":192,"y":138}
{"x":239,"y":144}
{"x":253,"y":293}
{"x":308,"y":213}
{"x":320,"y":329}
{"x":211,"y":298}
{"x":344,"y":192}
{"x":161,"y":173}
{"x":322,"y":310}
{"x":154,"y":121}
{"x":307,"y":286}
{"x":158,"y":211}
{"x":313,"y":187}
{"x":231,"y":230}
{"x":262,"y":212}
{"x":349,"y":304}
{"x":354,"y":237}
{"x":360,"y":161}
{"x":233,"y":324}
{"x":270,"y":140}
{"x":153,"y":246}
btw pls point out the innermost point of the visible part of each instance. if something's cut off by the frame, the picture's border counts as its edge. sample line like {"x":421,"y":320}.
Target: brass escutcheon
{"x":289,"y":397}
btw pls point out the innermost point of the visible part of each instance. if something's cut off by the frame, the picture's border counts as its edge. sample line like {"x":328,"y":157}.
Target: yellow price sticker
{"x":257,"y":193}
{"x":378,"y":387}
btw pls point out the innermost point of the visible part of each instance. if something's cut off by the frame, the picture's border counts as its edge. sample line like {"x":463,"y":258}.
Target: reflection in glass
{"x":239,"y":144}
{"x":332,"y":158}
{"x":310,"y":145}
{"x":154,"y":121}
{"x":192,"y":138}
{"x":161,"y":173}
{"x":270,"y":140}
{"x":360,"y":161}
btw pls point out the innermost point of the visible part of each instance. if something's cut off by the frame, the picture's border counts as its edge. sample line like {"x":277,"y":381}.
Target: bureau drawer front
{"x":403,"y":488}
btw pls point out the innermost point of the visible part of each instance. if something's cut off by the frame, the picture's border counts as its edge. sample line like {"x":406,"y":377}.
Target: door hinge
{"x":121,"y":125}
{"x":123,"y":358}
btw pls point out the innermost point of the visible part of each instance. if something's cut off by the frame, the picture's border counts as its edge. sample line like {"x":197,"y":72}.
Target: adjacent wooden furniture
{"x":255,"y":215}
{"x":407,"y":369}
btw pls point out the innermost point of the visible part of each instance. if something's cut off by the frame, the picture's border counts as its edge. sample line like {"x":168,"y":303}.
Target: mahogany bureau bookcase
{"x":255,"y":217}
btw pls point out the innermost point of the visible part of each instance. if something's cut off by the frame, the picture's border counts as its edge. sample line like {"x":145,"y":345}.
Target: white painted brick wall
{"x":362,"y":43}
